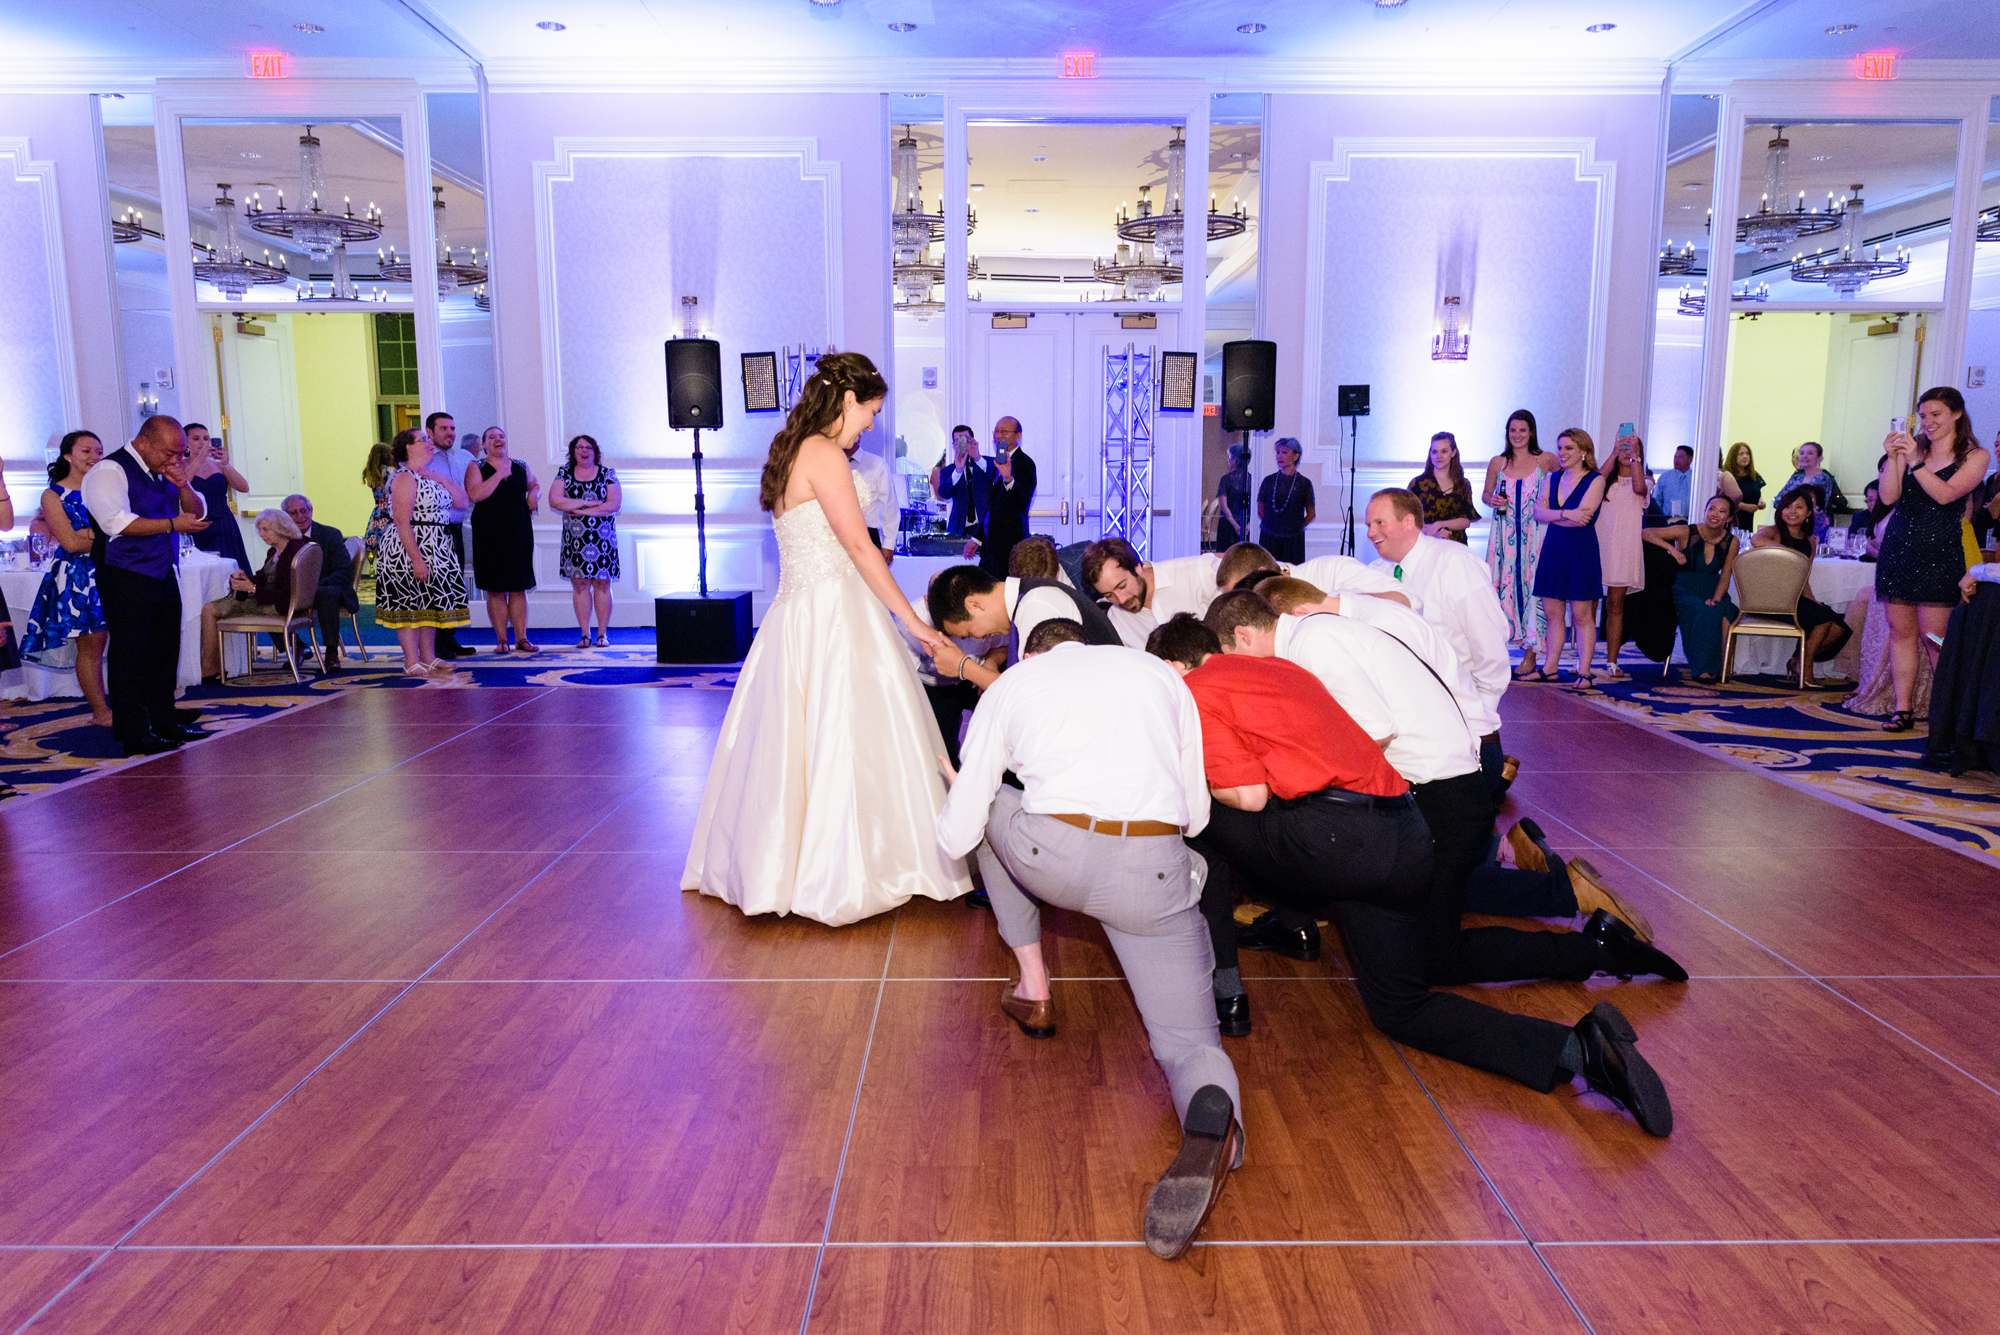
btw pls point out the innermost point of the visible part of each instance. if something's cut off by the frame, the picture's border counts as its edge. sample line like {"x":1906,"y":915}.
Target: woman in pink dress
{"x":1627,"y":484}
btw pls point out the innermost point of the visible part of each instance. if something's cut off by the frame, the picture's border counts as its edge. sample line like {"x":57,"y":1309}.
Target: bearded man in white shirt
{"x":1107,"y":744}
{"x":1145,"y":595}
{"x":1455,"y":593}
{"x":1334,"y":574}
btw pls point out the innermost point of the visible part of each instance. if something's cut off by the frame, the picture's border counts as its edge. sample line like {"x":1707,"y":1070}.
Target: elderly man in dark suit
{"x":1010,"y":494}
{"x":336,"y":578}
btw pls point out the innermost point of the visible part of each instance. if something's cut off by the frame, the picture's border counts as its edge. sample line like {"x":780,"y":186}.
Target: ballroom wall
{"x":606,"y":209}
{"x":1535,"y":208}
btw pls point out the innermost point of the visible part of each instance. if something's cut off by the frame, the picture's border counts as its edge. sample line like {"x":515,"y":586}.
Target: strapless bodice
{"x":808,"y":551}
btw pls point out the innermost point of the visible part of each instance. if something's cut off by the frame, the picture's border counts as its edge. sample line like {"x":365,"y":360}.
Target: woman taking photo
{"x":1706,"y":554}
{"x":1742,"y":465}
{"x":504,"y":497}
{"x":1445,"y":492}
{"x":1620,"y":553}
{"x":1827,"y":631}
{"x":1514,"y":540}
{"x":419,"y":584}
{"x":1925,"y":482}
{"x":67,"y":606}
{"x":212,"y":476}
{"x":1569,"y":579}
{"x":588,"y":497}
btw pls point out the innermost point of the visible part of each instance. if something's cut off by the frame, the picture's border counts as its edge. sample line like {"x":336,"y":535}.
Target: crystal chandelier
{"x":226,"y":268}
{"x":341,"y":286}
{"x":1167,"y":232}
{"x":450,"y":275}
{"x":1694,"y":300}
{"x":1845,"y":270}
{"x":1770,"y":230}
{"x":1450,"y":344}
{"x":1989,"y":224}
{"x":130,"y":226}
{"x":315,"y":227}
{"x":913,"y":269}
{"x":914,"y":295}
{"x":1139,"y":269}
{"x":1679,"y":263}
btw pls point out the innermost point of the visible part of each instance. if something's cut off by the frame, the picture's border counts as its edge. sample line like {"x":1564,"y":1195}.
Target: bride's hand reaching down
{"x":931,"y":639}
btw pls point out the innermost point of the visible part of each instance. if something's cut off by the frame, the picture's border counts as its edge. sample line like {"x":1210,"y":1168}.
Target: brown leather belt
{"x":1128,"y":828}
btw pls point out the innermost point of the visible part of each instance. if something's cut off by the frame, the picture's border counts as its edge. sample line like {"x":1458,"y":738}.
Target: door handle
{"x":1065,"y":512}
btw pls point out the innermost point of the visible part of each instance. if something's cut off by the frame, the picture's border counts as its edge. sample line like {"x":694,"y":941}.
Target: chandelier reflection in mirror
{"x":1694,"y":300}
{"x":1771,"y":230}
{"x":315,"y":227}
{"x":1989,"y":224}
{"x":1846,"y":270}
{"x":1166,"y":232}
{"x":1139,"y":269}
{"x":225,"y":266}
{"x":1680,"y":263}
{"x":451,"y":274}
{"x":914,"y":269}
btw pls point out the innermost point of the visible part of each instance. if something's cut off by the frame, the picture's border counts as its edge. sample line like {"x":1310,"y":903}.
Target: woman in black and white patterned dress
{"x":588,"y":496}
{"x":419,"y":584}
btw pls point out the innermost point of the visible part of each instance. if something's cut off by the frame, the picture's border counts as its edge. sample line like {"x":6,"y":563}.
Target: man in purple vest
{"x":139,"y":501}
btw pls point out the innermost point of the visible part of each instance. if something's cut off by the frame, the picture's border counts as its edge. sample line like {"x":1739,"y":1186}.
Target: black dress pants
{"x":950,"y":703}
{"x":1372,"y":868}
{"x":143,"y":614}
{"x":1460,"y":816}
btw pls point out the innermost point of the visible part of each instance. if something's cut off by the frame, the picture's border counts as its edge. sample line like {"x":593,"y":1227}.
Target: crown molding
{"x":122,"y":74}
{"x":1715,"y":76}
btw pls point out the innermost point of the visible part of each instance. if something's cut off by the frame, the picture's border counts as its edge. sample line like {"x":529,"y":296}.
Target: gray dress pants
{"x":1144,"y":891}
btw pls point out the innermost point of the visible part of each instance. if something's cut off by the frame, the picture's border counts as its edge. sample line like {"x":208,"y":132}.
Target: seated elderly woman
{"x":270,"y":591}
{"x":1827,"y":631}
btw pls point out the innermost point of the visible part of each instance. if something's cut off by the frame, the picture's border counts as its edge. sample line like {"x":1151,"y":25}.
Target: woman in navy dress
{"x":1570,"y":576}
{"x":67,"y":606}
{"x":211,"y":474}
{"x":1925,"y":480}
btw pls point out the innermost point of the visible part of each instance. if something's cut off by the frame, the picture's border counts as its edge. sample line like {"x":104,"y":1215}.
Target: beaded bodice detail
{"x":808,"y":551}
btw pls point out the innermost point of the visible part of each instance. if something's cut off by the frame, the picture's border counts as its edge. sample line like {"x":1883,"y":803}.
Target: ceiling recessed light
{"x":308,"y":28}
{"x":824,"y":4}
{"x":1389,"y":4}
{"x":902,"y":27}
{"x":1031,"y":210}
{"x":550,"y":25}
{"x":1842,"y":29}
{"x":1600,"y":27}
{"x":1250,"y":27}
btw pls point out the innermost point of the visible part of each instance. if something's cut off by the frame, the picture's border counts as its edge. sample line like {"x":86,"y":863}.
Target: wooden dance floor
{"x":388,"y":1015}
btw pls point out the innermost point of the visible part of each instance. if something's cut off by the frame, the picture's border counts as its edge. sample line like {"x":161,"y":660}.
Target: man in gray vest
{"x":968,"y":603}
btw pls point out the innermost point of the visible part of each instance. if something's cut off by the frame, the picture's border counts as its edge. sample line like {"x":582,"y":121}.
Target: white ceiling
{"x":684,"y":30}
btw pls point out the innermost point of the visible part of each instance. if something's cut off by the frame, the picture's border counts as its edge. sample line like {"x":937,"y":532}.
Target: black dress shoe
{"x":1187,"y":1191}
{"x":1613,"y":1067}
{"x":1233,"y":1014}
{"x":187,"y":718}
{"x":1625,"y":954}
{"x":979,"y":899}
{"x":151,"y":745}
{"x":1267,"y":933}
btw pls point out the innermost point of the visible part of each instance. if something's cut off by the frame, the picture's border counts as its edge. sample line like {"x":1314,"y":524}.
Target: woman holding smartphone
{"x":1925,"y":480}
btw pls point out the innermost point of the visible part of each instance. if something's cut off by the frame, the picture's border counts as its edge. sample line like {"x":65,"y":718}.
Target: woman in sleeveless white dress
{"x":824,"y":792}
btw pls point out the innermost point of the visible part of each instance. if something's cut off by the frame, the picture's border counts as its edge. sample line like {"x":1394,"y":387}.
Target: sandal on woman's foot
{"x":1900,"y":721}
{"x":1526,"y":673}
{"x":527,"y":647}
{"x":1541,"y":675}
{"x":603,"y":643}
{"x":583,"y":642}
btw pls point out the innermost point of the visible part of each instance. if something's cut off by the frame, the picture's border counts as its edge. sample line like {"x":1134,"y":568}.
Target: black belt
{"x":428,"y":523}
{"x":1342,"y":796}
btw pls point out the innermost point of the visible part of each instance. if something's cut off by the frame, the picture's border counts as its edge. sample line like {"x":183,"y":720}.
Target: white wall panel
{"x":37,"y":384}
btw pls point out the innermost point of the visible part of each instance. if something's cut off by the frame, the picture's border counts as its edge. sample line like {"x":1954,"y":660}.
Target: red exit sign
{"x":1878,"y":65}
{"x":267,"y":64}
{"x":1079,"y":65}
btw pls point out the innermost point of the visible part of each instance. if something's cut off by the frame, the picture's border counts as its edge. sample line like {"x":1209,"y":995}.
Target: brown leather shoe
{"x":1510,"y":768}
{"x":1036,"y":1018}
{"x":1180,"y":1201}
{"x":1593,"y":892}
{"x":1528,"y":855}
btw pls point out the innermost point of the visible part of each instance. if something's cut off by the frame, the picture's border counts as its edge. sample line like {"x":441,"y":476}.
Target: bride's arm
{"x":825,"y":470}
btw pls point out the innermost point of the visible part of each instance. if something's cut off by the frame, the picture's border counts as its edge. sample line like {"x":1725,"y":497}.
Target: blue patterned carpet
{"x":1806,"y":739}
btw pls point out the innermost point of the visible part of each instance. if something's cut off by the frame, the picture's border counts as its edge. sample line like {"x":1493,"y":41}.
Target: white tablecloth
{"x":203,"y":577}
{"x":1836,"y":581}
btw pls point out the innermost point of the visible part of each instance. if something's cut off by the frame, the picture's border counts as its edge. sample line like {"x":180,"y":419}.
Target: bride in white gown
{"x":824,"y":792}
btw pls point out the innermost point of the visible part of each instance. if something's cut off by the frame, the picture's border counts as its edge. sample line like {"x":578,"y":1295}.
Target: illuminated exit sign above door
{"x":267,"y":64}
{"x":1079,"y":65}
{"x":1878,"y":65}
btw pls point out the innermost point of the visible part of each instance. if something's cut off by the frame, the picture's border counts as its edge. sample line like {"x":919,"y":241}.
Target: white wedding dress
{"x":824,"y":793}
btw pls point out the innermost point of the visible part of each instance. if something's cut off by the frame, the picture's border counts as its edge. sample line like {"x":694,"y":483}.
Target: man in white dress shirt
{"x":1107,"y":745}
{"x":882,"y":515}
{"x":1145,"y":595}
{"x":1456,"y":594}
{"x":1399,"y":700}
{"x":970,"y":604}
{"x":1333,"y":574}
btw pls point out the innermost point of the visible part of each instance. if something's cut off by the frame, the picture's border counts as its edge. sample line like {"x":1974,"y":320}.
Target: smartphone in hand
{"x":1625,"y":429}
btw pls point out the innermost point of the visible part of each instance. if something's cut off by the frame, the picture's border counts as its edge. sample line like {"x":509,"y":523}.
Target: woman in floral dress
{"x":588,"y":496}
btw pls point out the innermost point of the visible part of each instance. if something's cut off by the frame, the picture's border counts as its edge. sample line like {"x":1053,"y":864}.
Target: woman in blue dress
{"x":67,"y":606}
{"x":1570,"y":576}
{"x":1706,"y":553}
{"x":210,"y":473}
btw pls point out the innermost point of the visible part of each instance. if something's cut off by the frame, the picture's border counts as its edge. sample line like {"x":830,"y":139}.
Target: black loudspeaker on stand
{"x":1249,"y":384}
{"x":1354,"y":407}
{"x":699,"y":629}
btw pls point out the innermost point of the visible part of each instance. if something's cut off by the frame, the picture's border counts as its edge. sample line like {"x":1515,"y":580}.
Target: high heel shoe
{"x":1900,"y":721}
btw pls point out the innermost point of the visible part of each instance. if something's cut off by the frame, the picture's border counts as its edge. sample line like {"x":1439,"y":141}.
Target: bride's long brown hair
{"x":817,"y":413}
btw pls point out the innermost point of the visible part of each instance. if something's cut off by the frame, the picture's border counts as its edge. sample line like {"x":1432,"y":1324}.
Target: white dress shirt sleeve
{"x":1988,"y":573}
{"x":1134,"y":628}
{"x":1475,"y":607}
{"x":1194,"y":772}
{"x":108,"y":497}
{"x":982,"y":760}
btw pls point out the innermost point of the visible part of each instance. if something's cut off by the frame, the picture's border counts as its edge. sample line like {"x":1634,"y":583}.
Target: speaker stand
{"x":701,"y":521}
{"x":1353,"y":451}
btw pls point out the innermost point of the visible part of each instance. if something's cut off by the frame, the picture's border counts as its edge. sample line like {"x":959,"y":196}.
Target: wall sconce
{"x":690,"y":322}
{"x":1451,"y":343}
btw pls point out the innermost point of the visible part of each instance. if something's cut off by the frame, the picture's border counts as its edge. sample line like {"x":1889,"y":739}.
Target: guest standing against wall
{"x":1285,"y":506}
{"x":588,"y":497}
{"x":504,"y":496}
{"x":140,"y":501}
{"x":1569,"y":579}
{"x":419,"y":585}
{"x":1234,"y":492}
{"x":10,"y":652}
{"x":1742,"y":465}
{"x":1514,"y":480}
{"x":450,"y":463}
{"x":211,"y":475}
{"x":1810,"y":474}
{"x":1445,"y":492}
{"x":1620,"y":554}
{"x":67,"y":606}
{"x":375,"y":477}
{"x":1926,"y":481}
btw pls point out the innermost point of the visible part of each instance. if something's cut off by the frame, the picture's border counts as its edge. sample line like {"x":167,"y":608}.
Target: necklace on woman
{"x":1292,"y":478}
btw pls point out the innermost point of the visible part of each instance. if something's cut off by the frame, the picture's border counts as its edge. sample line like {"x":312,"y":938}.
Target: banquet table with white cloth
{"x":203,"y":578}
